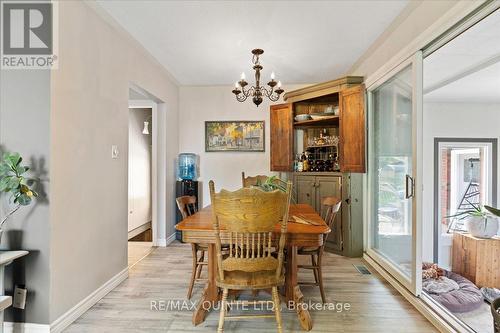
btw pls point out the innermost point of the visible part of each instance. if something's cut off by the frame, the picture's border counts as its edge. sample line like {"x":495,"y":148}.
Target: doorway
{"x":142,"y":176}
{"x":140,"y":235}
{"x":465,"y":175}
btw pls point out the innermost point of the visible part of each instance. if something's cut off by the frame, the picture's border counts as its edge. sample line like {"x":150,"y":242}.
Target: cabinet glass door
{"x":393,"y":117}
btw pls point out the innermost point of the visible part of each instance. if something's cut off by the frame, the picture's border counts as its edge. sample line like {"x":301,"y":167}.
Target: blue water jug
{"x":187,"y":167}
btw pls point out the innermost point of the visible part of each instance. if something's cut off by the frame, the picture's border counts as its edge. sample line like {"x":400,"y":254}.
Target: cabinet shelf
{"x":322,"y":122}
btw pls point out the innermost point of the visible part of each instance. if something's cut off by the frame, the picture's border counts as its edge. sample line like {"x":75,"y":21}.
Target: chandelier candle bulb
{"x":279,"y":84}
{"x":272,"y":76}
{"x":243,"y":76}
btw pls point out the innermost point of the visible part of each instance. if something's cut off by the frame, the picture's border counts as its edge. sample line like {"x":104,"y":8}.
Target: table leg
{"x":292,"y":290}
{"x":211,"y":293}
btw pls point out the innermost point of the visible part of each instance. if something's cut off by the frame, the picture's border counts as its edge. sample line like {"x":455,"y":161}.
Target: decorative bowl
{"x":302,"y":117}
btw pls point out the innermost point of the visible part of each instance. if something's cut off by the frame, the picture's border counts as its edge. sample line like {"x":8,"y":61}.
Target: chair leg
{"x":200,"y":267}
{"x":320,"y":276}
{"x":313,"y":263}
{"x":277,"y":308}
{"x":223,"y":309}
{"x":193,"y":272}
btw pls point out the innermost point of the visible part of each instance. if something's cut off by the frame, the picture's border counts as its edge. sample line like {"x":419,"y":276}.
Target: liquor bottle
{"x":305,"y":162}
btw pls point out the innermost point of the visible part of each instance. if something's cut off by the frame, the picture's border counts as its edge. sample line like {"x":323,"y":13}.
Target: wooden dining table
{"x":198,"y":228}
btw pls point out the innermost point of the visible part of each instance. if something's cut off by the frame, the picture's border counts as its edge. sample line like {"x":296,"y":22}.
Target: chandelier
{"x":257,"y":92}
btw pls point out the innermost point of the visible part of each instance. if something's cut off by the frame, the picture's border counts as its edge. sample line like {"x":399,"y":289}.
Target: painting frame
{"x":209,"y":148}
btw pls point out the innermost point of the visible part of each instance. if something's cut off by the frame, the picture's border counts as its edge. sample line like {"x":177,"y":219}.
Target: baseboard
{"x":165,"y":241}
{"x":10,"y":327}
{"x":139,"y":229}
{"x":440,"y":323}
{"x":74,"y":313}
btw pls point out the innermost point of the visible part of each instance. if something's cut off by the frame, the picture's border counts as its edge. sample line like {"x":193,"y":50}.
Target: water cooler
{"x":186,"y":182}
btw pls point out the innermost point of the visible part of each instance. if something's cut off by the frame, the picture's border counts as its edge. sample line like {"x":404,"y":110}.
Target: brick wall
{"x":444,"y":183}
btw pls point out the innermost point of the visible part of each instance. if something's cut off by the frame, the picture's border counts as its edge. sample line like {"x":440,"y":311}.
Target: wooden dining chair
{"x":331,"y":206}
{"x":252,"y":181}
{"x":245,"y":220}
{"x":187,"y":207}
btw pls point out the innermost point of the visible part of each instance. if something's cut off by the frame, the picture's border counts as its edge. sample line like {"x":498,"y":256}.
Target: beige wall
{"x":198,"y":104}
{"x":97,"y":63}
{"x":25,"y":128}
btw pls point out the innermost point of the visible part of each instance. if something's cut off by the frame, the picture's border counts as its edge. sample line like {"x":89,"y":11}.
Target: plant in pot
{"x":479,"y":222}
{"x":272,"y":183}
{"x":13,"y":181}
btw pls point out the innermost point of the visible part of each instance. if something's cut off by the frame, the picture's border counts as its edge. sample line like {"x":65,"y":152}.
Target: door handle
{"x":410,"y":187}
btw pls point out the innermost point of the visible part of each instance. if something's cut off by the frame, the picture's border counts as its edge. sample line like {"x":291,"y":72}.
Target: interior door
{"x":281,"y":119}
{"x":394,"y":175}
{"x":352,"y":129}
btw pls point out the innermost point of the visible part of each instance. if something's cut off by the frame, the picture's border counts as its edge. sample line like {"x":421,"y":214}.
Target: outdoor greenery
{"x":13,"y":181}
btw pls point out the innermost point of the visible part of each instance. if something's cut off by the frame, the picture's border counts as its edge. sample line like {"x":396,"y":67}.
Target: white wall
{"x":199,"y":104}
{"x":139,"y":169}
{"x":89,"y":95}
{"x":459,"y":120}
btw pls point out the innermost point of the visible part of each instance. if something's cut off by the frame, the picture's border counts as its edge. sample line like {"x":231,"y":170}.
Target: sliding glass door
{"x":394,"y":119}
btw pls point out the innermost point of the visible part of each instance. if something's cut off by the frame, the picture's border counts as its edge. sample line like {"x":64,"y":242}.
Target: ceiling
{"x":467,"y":69}
{"x":209,"y":42}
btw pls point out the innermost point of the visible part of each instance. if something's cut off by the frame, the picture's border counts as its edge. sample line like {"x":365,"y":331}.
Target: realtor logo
{"x":27,"y":35}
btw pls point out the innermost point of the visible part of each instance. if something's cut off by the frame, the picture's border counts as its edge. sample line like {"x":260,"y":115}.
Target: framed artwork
{"x":223,"y":136}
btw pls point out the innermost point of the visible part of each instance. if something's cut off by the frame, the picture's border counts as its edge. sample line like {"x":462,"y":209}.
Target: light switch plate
{"x":114,"y":151}
{"x":19,"y":301}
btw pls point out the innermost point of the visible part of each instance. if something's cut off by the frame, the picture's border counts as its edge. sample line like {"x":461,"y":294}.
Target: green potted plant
{"x":481,"y":222}
{"x":13,"y":181}
{"x":272,"y":183}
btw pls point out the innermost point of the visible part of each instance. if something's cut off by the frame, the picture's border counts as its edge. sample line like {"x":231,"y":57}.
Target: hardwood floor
{"x":164,"y":275}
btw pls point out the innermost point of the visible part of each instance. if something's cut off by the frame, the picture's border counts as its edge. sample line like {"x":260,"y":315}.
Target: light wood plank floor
{"x":164,"y":275}
{"x":137,"y":251}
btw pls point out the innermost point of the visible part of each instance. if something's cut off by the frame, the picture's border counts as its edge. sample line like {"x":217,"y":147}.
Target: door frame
{"x":438,"y":141}
{"x":414,"y":283}
{"x":149,"y":104}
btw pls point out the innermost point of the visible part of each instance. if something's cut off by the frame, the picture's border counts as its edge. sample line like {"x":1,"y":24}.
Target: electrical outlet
{"x":114,"y":151}
{"x":19,"y":301}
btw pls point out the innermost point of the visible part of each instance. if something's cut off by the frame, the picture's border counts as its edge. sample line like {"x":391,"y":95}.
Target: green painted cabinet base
{"x":346,"y":237}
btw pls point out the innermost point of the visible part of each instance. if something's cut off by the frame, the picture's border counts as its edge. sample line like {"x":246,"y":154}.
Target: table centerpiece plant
{"x":13,"y":181}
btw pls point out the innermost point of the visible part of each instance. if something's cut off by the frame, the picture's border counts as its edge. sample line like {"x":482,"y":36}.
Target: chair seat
{"x":240,"y":280}
{"x":308,"y":250}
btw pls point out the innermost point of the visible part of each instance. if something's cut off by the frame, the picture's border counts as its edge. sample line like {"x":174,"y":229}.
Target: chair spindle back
{"x":246,"y":221}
